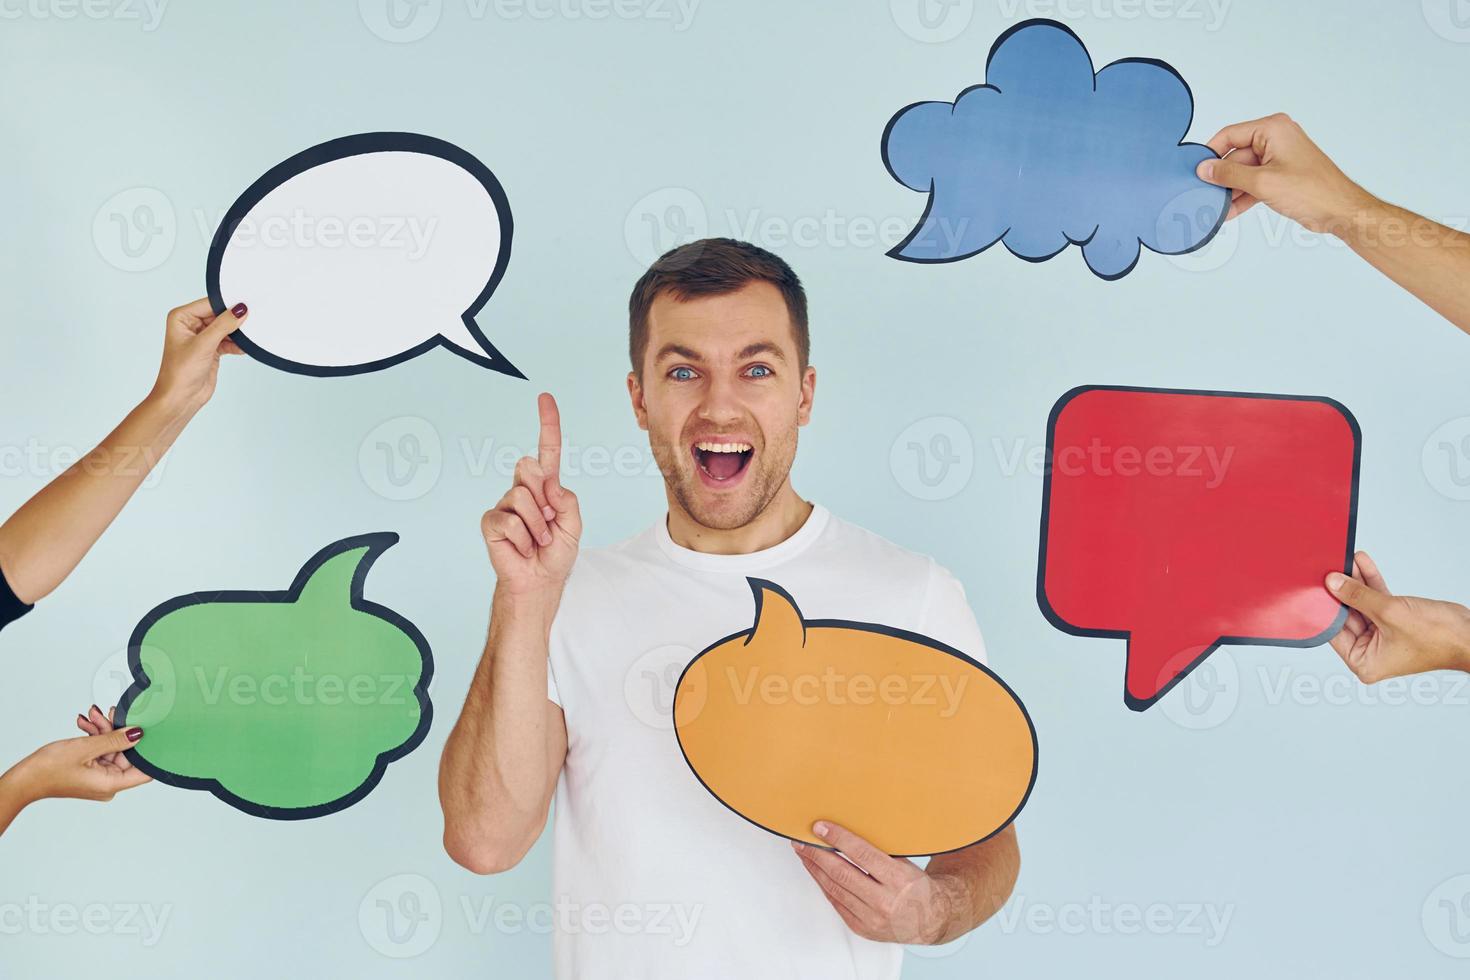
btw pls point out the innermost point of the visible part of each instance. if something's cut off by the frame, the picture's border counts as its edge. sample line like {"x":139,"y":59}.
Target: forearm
{"x":1429,"y":259}
{"x":495,"y":779}
{"x":45,"y":539}
{"x":977,"y":881}
{"x":13,"y":798}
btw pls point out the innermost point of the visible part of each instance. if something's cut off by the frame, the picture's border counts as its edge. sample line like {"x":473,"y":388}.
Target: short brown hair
{"x":709,"y":267}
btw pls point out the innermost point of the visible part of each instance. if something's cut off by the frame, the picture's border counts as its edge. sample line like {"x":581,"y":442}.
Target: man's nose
{"x":721,"y":403}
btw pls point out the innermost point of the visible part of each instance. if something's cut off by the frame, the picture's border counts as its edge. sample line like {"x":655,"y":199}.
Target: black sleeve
{"x":11,"y":608}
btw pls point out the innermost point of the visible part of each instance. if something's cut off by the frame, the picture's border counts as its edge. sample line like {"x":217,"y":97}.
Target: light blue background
{"x":1322,"y":824}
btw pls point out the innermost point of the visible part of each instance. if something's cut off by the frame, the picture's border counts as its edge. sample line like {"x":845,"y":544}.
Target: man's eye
{"x":682,"y":374}
{"x":760,"y":371}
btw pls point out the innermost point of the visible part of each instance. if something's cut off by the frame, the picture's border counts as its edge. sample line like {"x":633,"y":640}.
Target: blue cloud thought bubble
{"x":1047,"y":153}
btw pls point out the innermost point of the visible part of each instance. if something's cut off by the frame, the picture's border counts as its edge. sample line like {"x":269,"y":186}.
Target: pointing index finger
{"x":549,"y":450}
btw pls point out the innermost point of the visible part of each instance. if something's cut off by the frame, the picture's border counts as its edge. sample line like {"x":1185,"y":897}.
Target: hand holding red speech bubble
{"x":1183,"y":520}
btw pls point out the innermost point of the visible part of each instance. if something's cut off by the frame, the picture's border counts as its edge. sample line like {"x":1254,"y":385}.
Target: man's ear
{"x":808,"y":393}
{"x":635,"y":394}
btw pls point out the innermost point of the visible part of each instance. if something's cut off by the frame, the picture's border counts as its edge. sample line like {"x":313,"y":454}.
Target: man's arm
{"x":893,"y":900}
{"x":501,"y":761}
{"x":978,"y":879}
{"x":1272,"y":161}
{"x":45,"y":539}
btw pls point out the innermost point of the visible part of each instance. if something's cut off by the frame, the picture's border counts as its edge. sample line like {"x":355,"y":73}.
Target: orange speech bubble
{"x":903,"y":740}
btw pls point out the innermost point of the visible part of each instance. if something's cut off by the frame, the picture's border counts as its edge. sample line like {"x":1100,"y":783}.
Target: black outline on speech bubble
{"x":339,"y":149}
{"x":1140,"y":704}
{"x":929,"y":205}
{"x":757,"y":586}
{"x":376,"y":543}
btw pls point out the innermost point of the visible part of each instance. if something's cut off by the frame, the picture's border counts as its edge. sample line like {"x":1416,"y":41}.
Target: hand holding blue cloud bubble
{"x":363,"y":252}
{"x":1046,"y":153}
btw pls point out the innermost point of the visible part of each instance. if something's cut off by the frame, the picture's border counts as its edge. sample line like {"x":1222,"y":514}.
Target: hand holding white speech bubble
{"x":363,"y":252}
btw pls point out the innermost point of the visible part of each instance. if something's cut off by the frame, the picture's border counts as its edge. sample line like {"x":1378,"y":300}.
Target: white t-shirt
{"x":653,"y":877}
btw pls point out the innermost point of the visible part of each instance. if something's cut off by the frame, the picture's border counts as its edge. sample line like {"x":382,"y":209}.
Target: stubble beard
{"x":769,"y":471}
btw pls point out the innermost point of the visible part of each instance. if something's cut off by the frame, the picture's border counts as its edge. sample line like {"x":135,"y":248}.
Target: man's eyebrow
{"x":761,"y":347}
{"x":675,"y":350}
{"x":748,"y":351}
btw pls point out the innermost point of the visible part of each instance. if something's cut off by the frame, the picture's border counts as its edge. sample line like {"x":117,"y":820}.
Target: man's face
{"x":722,"y":395}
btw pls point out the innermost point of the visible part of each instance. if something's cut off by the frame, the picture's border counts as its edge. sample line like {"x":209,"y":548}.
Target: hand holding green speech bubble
{"x":286,"y":704}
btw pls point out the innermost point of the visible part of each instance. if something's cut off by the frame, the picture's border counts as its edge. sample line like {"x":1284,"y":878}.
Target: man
{"x":1272,"y":161}
{"x":721,"y":382}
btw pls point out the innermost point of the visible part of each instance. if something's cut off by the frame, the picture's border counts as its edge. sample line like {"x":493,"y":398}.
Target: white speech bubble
{"x":363,"y":252}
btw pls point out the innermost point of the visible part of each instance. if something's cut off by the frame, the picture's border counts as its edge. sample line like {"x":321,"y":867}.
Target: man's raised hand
{"x":532,"y":532}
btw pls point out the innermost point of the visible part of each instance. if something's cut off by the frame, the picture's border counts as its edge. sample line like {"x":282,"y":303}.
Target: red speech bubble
{"x":1183,"y":520}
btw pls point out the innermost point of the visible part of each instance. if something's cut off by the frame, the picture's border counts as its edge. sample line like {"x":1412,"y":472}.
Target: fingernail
{"x":548,"y":512}
{"x":545,"y":538}
{"x":81,"y":717}
{"x":820,"y":829}
{"x":1335,"y":580}
{"x":96,"y":709}
{"x":1206,"y":169}
{"x":239,"y":309}
{"x":134,"y":734}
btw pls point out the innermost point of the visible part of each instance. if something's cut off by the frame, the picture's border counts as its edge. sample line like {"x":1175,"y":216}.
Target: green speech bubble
{"x":285,"y":705}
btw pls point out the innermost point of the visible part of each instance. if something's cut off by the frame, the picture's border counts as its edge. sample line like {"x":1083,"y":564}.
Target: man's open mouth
{"x":722,"y":461}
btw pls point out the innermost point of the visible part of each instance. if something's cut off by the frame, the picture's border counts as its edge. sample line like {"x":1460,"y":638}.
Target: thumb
{"x":129,"y":778}
{"x":1230,"y":173}
{"x":223,"y":325}
{"x":1349,"y":591}
{"x":118,"y":740}
{"x":568,"y":509}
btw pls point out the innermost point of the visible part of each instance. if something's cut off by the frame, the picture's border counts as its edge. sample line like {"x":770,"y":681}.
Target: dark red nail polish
{"x":239,"y":309}
{"x":134,"y":734}
{"x":81,"y":718}
{"x":96,"y":709}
